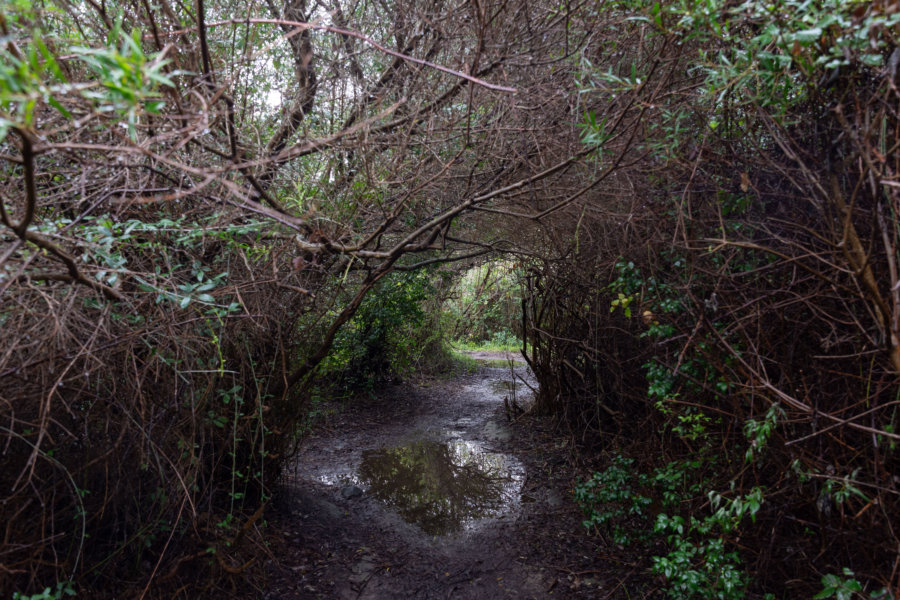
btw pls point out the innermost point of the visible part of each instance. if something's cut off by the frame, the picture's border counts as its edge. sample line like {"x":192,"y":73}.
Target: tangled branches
{"x":188,"y":221}
{"x":744,"y":273}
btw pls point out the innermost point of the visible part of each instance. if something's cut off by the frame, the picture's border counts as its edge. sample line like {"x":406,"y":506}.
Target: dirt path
{"x":429,"y":492}
{"x":490,"y":356}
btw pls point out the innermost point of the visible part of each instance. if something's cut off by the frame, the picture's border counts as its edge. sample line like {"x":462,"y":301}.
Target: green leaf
{"x":154,"y":75}
{"x":59,"y":107}
{"x":872,"y":60}
{"x":808,"y":35}
{"x":49,"y":59}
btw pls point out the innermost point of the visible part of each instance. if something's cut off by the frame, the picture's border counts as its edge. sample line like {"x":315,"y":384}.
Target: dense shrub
{"x":738,"y":298}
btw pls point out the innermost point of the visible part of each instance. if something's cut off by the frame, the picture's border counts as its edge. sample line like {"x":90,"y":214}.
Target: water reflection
{"x":441,"y":487}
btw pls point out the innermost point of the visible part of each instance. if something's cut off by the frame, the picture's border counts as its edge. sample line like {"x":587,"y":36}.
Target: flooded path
{"x":429,"y":491}
{"x":440,"y":470}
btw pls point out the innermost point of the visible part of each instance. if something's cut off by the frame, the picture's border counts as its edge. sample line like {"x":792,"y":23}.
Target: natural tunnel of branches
{"x":196,"y":200}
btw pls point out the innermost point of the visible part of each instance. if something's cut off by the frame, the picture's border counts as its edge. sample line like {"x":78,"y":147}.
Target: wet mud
{"x":431,"y":491}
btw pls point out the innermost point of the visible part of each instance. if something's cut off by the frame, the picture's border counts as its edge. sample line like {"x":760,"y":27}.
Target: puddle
{"x":443,"y":487}
{"x":495,"y":432}
{"x":433,"y":470}
{"x":504,"y":385}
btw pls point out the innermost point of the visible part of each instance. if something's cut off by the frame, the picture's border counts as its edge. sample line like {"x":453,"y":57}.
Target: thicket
{"x":729,"y":321}
{"x":395,"y":330}
{"x":206,"y":206}
{"x":197,"y":200}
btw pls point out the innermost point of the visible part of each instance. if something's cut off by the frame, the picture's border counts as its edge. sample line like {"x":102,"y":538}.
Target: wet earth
{"x":437,"y":490}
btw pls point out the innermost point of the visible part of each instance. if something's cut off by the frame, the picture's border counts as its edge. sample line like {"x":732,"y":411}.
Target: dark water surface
{"x":440,"y":486}
{"x":441,"y":470}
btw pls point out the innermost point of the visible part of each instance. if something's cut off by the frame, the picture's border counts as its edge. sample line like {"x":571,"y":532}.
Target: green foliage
{"x":500,"y":341}
{"x":62,"y":590}
{"x":594,"y":134}
{"x":696,"y":370}
{"x":26,"y":80}
{"x":484,"y":305}
{"x":464,"y":363}
{"x":889,"y":444}
{"x":380,"y":339}
{"x":610,"y":499}
{"x":614,"y":499}
{"x":769,"y":54}
{"x":840,"y":588}
{"x":848,"y":587}
{"x":504,"y":339}
{"x":760,"y":100}
{"x":622,"y":301}
{"x":129,"y":78}
{"x":698,"y":564}
{"x":660,"y":306}
{"x":111,"y":246}
{"x":759,"y":432}
{"x":843,"y":489}
{"x":679,"y":480}
{"x":126,"y":80}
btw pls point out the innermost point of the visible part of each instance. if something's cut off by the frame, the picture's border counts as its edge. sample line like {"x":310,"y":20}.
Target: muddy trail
{"x":434,"y":491}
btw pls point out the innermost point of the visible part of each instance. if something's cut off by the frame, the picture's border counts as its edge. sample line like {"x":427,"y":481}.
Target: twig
{"x":300,"y":25}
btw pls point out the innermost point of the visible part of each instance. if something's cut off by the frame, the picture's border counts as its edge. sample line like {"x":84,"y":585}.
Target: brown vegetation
{"x":179,"y":255}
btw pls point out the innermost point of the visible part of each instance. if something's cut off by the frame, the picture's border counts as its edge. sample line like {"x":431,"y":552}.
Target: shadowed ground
{"x":456,"y":503}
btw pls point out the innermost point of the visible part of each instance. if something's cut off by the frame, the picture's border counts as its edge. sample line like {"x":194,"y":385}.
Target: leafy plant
{"x":126,"y":76}
{"x":610,"y":499}
{"x":62,"y":590}
{"x":758,"y":432}
{"x":129,"y":78}
{"x":846,"y":587}
{"x":377,"y":341}
{"x":482,"y":303}
{"x":699,"y":564}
